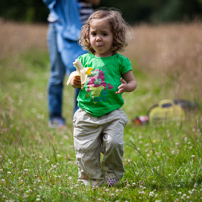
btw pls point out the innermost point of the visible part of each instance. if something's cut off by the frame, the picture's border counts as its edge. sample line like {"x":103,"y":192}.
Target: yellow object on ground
{"x":165,"y":111}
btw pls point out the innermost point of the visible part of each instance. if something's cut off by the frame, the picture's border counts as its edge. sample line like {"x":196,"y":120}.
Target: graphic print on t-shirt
{"x":97,"y":87}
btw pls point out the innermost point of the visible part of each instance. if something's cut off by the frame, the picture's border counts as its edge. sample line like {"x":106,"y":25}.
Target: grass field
{"x":162,"y":162}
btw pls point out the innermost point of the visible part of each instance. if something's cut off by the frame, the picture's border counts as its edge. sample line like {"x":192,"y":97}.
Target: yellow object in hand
{"x":80,"y":71}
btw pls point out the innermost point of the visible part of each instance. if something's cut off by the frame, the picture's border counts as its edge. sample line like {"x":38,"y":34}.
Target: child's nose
{"x":98,"y":37}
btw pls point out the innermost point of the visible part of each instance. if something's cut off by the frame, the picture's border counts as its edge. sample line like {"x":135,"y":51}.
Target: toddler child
{"x":99,"y":122}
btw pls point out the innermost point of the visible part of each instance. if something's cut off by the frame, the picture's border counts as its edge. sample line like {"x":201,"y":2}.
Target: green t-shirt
{"x":98,"y":96}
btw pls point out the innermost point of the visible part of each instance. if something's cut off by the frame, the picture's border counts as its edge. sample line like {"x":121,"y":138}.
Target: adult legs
{"x":71,"y":50}
{"x":61,"y":63}
{"x":57,"y":73}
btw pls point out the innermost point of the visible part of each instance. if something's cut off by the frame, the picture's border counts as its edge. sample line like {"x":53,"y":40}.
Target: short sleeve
{"x":126,"y":65}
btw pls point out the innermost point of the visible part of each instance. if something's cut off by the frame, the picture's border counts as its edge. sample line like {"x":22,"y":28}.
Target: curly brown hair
{"x":118,"y":26}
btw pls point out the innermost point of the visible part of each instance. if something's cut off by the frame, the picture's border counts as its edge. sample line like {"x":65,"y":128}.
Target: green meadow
{"x":162,"y":161}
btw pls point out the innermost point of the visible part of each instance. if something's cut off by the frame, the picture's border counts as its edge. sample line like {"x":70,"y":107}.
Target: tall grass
{"x":171,"y":54}
{"x":162,"y":162}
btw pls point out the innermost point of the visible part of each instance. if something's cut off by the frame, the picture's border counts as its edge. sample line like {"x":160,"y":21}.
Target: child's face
{"x":101,"y":37}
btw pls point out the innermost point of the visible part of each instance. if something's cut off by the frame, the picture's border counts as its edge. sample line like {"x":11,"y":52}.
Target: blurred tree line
{"x":134,"y":11}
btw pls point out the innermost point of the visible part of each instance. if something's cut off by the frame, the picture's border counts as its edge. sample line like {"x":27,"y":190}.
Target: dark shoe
{"x":57,"y":122}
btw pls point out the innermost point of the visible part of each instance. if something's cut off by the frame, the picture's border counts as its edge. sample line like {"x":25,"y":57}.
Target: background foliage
{"x":133,"y":11}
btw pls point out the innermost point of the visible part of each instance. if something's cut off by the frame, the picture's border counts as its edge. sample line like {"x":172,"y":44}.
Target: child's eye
{"x":104,"y":34}
{"x":93,"y":34}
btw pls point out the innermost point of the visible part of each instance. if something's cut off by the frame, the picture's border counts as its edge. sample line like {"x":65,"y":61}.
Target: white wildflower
{"x":176,"y":144}
{"x":133,"y":184}
{"x":112,"y":195}
{"x":140,"y":137}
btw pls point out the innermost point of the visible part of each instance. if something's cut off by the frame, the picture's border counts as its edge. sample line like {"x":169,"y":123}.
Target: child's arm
{"x":127,"y":85}
{"x":76,"y":82}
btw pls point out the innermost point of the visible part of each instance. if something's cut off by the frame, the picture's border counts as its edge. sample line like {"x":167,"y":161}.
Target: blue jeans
{"x":58,"y":70}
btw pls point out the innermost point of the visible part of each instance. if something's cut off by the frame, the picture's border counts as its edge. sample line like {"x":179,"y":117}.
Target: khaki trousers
{"x":96,"y":135}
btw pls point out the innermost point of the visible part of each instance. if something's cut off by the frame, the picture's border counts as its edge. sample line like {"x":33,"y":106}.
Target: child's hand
{"x":122,"y":87}
{"x":76,"y":82}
